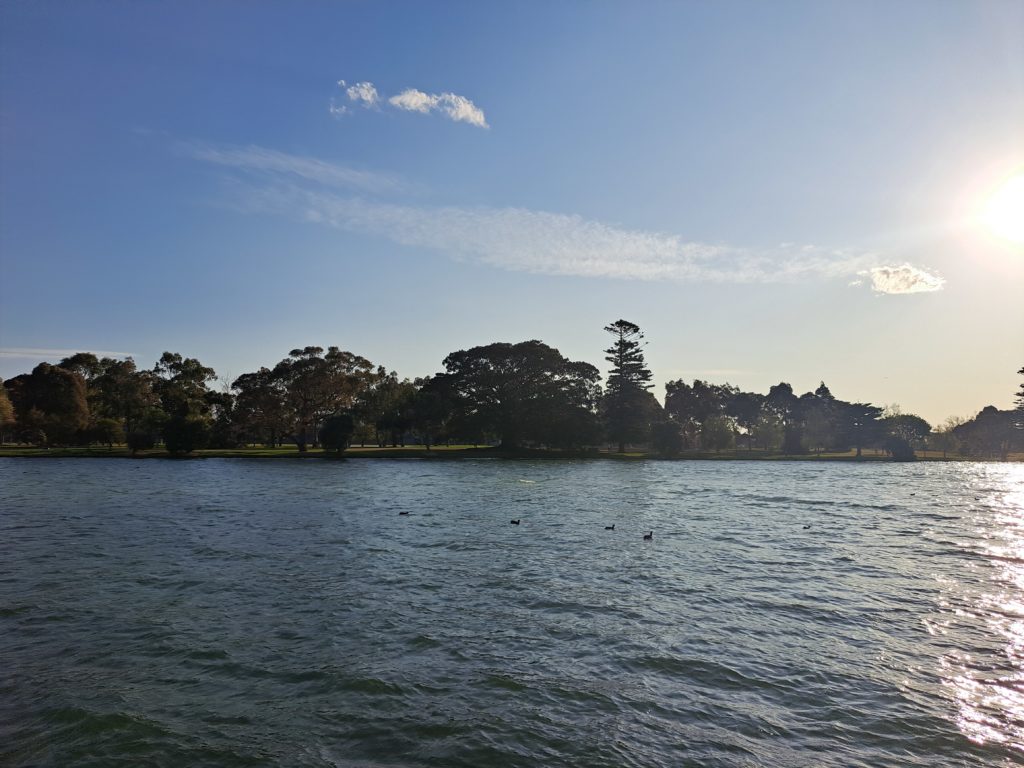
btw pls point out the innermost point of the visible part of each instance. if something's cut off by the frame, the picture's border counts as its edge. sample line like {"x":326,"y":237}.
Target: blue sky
{"x":782,"y":191}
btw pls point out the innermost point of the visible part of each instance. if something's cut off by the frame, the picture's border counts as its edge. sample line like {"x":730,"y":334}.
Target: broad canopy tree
{"x":50,"y":404}
{"x":316,"y":384}
{"x":525,"y":393}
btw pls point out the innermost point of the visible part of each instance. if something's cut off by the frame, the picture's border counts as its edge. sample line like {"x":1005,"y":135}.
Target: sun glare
{"x":1003,"y":214}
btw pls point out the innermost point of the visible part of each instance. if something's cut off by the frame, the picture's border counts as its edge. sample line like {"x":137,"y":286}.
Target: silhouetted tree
{"x":691,"y":406}
{"x":260,"y":411}
{"x":624,"y":405}
{"x":106,"y":431}
{"x":1020,"y":397}
{"x":911,"y":429}
{"x":432,"y":407}
{"x":316,"y":384}
{"x":944,"y":437}
{"x":515,"y":391}
{"x":718,"y":432}
{"x":336,"y":432}
{"x":6,"y":412}
{"x":181,"y":383}
{"x":768,"y":431}
{"x":745,"y":408}
{"x":781,"y":401}
{"x":121,"y":391}
{"x":50,"y":403}
{"x":991,"y":434}
{"x":387,"y":406}
{"x":667,"y":438}
{"x":857,"y":425}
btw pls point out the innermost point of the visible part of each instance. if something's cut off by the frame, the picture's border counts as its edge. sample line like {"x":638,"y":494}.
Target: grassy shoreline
{"x":458,"y":452}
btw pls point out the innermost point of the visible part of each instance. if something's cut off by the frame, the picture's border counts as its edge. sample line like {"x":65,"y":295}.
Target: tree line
{"x":514,"y":395}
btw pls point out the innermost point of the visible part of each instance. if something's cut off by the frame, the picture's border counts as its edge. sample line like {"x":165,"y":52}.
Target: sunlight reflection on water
{"x":989,"y":686}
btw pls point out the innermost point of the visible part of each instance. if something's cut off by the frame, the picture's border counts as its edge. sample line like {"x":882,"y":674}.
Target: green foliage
{"x":515,"y":391}
{"x":525,"y":395}
{"x":314,"y":384}
{"x":336,"y":432}
{"x":120,"y":391}
{"x":260,"y":413}
{"x":718,"y":432}
{"x":85,"y":364}
{"x":50,"y":404}
{"x":908,"y":428}
{"x":388,"y":406}
{"x":768,"y":431}
{"x":106,"y":431}
{"x":944,"y":438}
{"x":793,"y":443}
{"x":625,"y":406}
{"x":1020,"y":393}
{"x":6,"y":409}
{"x":991,"y":434}
{"x":140,"y":441}
{"x":183,"y":433}
{"x":667,"y":438}
{"x":432,"y":407}
{"x":899,"y":448}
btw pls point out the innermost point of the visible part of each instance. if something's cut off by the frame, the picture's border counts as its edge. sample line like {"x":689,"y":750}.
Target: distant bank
{"x":466,"y":452}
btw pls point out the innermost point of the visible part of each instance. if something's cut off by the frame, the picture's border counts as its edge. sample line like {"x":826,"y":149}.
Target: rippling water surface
{"x":249,"y":613}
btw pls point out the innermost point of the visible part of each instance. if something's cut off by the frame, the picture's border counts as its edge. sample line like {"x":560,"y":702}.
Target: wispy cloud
{"x":905,"y":278}
{"x":32,"y":353}
{"x":540,"y":242}
{"x":451,"y":105}
{"x":281,"y":164}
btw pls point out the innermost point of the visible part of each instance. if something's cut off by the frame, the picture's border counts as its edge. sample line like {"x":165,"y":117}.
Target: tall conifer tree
{"x":626,"y":400}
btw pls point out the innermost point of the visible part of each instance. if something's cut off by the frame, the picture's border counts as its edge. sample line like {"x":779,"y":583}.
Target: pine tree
{"x":626,"y":399}
{"x":1020,"y":394}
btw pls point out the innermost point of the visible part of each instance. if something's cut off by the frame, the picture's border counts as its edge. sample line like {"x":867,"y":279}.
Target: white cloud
{"x":540,"y":242}
{"x":253,"y":158}
{"x":904,"y":278}
{"x":54,"y":354}
{"x":412,"y":100}
{"x":363,"y":93}
{"x":457,"y":108}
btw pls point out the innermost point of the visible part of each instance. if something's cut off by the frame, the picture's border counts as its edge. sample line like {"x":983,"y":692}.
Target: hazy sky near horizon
{"x":783,"y":191}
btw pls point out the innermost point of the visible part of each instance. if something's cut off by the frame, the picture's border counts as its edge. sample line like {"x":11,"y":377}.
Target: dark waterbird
{"x":515,"y":522}
{"x":649,"y":536}
{"x":806,"y":527}
{"x":403,"y":513}
{"x":610,"y":527}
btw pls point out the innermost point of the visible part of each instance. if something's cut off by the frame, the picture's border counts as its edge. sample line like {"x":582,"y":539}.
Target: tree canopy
{"x":625,"y":406}
{"x":525,"y":393}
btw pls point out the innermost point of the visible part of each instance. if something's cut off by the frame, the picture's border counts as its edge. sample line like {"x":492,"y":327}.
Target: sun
{"x":1003,"y":214}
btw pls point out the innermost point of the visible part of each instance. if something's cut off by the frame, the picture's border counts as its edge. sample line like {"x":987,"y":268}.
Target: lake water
{"x":276,"y":612}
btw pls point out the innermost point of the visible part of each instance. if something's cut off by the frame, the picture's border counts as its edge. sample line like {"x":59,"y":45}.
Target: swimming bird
{"x":806,"y":527}
{"x":649,"y":536}
{"x":403,"y":513}
{"x":610,"y":527}
{"x":515,"y":522}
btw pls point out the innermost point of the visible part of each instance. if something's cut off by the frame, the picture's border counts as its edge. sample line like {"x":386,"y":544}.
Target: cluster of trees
{"x":515,"y":395}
